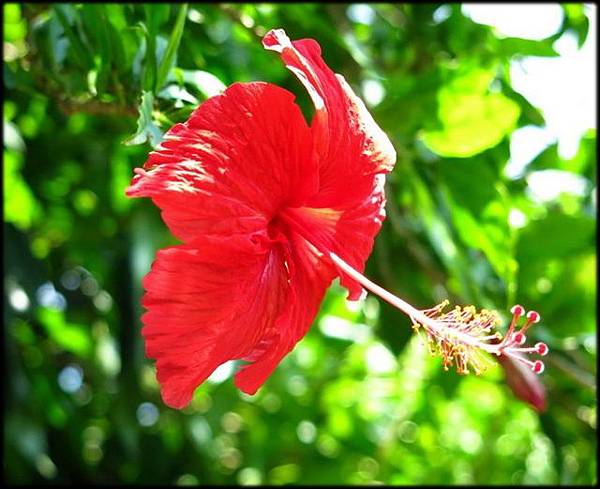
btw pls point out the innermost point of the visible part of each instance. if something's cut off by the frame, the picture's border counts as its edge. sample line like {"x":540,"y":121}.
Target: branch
{"x":70,"y":105}
{"x":94,"y":107}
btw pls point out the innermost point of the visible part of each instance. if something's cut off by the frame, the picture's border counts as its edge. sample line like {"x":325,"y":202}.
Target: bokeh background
{"x":492,"y":202}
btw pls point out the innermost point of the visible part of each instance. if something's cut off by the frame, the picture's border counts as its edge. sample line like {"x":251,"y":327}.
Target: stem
{"x":409,"y":310}
{"x":404,"y":306}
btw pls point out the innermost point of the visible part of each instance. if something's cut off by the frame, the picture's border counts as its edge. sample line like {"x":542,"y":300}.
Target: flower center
{"x":275,"y":227}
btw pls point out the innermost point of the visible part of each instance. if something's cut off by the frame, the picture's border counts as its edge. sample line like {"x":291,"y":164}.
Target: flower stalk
{"x":462,"y":334}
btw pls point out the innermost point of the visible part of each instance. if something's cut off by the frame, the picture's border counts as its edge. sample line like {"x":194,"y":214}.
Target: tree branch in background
{"x":94,"y":107}
{"x":70,"y":105}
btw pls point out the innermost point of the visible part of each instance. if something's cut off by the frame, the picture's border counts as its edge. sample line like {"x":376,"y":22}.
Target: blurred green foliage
{"x":359,"y":400}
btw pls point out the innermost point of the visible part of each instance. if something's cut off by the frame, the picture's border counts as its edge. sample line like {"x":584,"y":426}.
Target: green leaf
{"x":480,"y":210}
{"x":512,"y":46}
{"x":583,"y":163}
{"x":146,"y":130}
{"x":206,"y":83}
{"x":149,"y":67}
{"x":15,"y":27}
{"x":437,"y":231}
{"x":529,"y":113}
{"x":168,"y":59}
{"x":156,"y":15}
{"x":556,"y":236}
{"x":576,"y":21}
{"x":115,"y":15}
{"x":117,"y":48}
{"x":472,"y":119}
{"x":80,"y":52}
{"x":177,"y":94}
{"x":96,"y":23}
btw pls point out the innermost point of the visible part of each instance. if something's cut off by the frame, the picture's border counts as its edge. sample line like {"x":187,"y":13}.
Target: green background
{"x":359,"y":400}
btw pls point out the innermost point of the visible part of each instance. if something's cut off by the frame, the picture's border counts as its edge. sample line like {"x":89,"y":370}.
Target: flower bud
{"x":524,"y":383}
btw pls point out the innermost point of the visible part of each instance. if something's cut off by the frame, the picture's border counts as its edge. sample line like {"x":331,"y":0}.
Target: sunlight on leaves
{"x":472,"y":118}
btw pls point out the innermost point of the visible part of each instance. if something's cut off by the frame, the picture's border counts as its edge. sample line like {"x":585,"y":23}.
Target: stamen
{"x":462,"y":334}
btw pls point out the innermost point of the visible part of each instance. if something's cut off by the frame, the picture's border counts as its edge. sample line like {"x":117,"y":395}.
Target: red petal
{"x":208,"y":305}
{"x":354,"y":154}
{"x":225,"y":300}
{"x":351,"y":146}
{"x":309,"y":278}
{"x":240,"y":157}
{"x":348,"y":232}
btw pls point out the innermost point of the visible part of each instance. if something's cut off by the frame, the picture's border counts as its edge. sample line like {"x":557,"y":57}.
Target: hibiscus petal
{"x":241,"y":156}
{"x":348,"y":232}
{"x":309,"y":277}
{"x":208,"y":304}
{"x":347,"y":212}
{"x":350,"y":144}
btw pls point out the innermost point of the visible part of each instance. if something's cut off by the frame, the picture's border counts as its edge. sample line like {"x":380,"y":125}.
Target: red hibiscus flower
{"x":270,"y":210}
